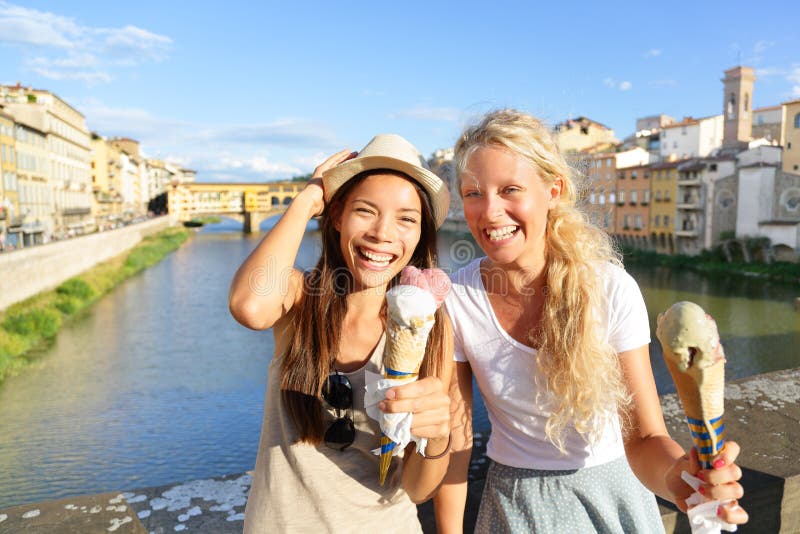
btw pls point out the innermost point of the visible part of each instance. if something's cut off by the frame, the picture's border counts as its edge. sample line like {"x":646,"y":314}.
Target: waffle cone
{"x":701,"y":391}
{"x":405,"y":344}
{"x":386,"y":458}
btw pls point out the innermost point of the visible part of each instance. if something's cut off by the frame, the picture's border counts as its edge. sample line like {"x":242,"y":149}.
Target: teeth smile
{"x":381,"y":259}
{"x":497,"y":234}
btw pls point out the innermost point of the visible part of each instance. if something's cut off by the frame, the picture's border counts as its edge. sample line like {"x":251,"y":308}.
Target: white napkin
{"x":703,"y":512}
{"x":395,"y":426}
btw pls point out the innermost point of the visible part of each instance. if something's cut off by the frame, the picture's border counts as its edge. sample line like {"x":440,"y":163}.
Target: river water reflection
{"x":156,"y":383}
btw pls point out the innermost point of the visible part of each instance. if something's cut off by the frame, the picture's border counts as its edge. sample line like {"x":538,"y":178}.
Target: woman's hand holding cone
{"x":427,"y":400}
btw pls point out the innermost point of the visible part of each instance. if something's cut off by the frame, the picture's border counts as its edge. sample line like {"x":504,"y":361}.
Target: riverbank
{"x":710,"y":263}
{"x":762,"y":414}
{"x":28,"y":326}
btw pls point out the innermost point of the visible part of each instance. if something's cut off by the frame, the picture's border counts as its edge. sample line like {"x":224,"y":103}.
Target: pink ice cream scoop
{"x":435,"y":281}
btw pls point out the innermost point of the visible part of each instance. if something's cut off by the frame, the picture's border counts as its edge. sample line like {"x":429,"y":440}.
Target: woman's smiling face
{"x":380,"y":226}
{"x":506,"y":203}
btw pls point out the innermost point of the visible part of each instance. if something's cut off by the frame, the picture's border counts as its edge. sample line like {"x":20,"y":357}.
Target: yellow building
{"x":791,"y":136}
{"x":663,"y":190}
{"x":107,"y":200}
{"x":67,"y":155}
{"x":10,"y":230}
{"x":33,"y":183}
{"x":583,"y":135}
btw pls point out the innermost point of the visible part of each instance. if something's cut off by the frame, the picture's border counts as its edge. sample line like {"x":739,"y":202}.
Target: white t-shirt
{"x":514,"y":392}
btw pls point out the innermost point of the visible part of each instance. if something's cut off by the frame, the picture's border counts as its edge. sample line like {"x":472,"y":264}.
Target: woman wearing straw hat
{"x":315,"y":469}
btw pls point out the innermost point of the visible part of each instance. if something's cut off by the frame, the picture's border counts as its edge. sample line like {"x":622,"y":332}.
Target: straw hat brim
{"x":334,"y":178}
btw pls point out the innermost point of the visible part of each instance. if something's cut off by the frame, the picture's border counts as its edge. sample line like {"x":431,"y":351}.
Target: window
{"x":712,"y":167}
{"x":657,"y":221}
{"x":746,"y":107}
{"x":666,"y":221}
{"x":683,"y":130}
{"x":637,"y":222}
{"x":797,"y":121}
{"x":626,"y":224}
{"x":634,"y":196}
{"x":732,"y":106}
{"x":646,"y":196}
{"x":621,"y":197}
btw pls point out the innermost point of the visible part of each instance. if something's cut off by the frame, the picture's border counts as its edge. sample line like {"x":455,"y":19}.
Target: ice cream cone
{"x":411,"y":307}
{"x":696,"y":361}
{"x":402,"y":357}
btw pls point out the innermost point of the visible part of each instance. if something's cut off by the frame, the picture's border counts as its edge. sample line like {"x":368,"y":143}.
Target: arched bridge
{"x":249,"y":203}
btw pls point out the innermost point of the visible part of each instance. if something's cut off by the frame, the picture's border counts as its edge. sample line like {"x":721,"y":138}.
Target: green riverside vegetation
{"x":29,"y":326}
{"x":714,"y":262}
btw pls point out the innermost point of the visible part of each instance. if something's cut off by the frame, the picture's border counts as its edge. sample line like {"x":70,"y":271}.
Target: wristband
{"x":444,"y":452}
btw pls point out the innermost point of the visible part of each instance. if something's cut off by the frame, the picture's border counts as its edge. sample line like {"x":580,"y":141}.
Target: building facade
{"x":691,"y":138}
{"x":601,"y":178}
{"x":791,"y":136}
{"x":583,"y":135}
{"x":769,"y":200}
{"x":10,"y":223}
{"x":633,"y":206}
{"x":663,"y":191}
{"x":737,"y":105}
{"x":768,"y":124}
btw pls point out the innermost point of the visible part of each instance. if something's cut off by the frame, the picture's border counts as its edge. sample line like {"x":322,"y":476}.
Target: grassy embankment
{"x":31,"y":324}
{"x":712,"y":262}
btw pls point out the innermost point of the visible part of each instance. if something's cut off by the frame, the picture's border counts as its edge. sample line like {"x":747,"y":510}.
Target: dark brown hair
{"x":319,"y":315}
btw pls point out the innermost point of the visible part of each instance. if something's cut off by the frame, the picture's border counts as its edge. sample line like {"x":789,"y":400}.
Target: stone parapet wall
{"x":28,"y":271}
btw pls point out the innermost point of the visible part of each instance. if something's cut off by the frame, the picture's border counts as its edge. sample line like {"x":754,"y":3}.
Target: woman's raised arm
{"x":267,"y":285}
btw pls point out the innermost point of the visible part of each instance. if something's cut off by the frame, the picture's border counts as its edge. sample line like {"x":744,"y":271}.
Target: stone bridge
{"x":249,"y":203}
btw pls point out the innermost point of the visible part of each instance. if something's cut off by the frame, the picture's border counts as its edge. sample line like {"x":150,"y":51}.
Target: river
{"x":156,"y":383}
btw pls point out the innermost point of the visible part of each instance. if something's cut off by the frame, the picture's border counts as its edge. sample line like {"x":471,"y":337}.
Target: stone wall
{"x":28,"y":271}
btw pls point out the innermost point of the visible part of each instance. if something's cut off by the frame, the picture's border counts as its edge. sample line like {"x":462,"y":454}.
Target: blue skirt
{"x":604,"y":498}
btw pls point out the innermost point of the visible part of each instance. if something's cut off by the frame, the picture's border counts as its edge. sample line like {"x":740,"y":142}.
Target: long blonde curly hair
{"x":581,"y":369}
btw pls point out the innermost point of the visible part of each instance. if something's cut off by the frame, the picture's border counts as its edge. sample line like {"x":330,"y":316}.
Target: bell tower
{"x":738,"y":106}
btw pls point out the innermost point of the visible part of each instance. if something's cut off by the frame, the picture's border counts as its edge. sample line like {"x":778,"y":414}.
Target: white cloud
{"x":428,"y":113}
{"x":58,"y":47}
{"x":623,"y":85}
{"x":234,"y":152}
{"x":653,"y":52}
{"x":770,"y":71}
{"x":762,"y":46}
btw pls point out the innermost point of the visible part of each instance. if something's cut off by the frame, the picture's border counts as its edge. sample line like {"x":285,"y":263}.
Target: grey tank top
{"x":299,"y":487}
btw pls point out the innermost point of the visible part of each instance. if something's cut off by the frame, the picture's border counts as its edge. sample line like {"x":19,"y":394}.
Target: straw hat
{"x":390,"y":151}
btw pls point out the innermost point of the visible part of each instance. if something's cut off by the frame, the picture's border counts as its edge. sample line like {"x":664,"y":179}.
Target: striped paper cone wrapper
{"x":696,"y":362}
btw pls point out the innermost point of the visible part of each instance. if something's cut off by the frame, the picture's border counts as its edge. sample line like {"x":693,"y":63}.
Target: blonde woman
{"x":556,"y":334}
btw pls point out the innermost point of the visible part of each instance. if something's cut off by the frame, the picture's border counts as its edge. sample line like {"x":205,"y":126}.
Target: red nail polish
{"x":719,"y":511}
{"x":702,"y":491}
{"x":719,"y":463}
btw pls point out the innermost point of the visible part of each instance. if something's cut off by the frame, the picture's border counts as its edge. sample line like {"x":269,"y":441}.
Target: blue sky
{"x":245,"y":91}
